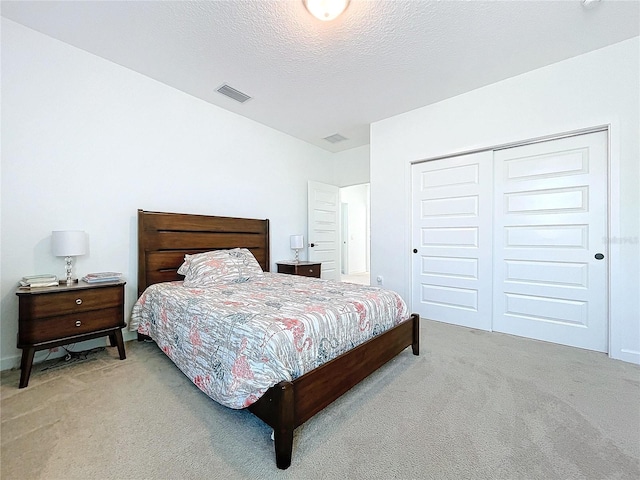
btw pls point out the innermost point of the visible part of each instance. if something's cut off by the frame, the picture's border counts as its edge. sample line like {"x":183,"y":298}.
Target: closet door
{"x":550,"y":249}
{"x":451,"y":238}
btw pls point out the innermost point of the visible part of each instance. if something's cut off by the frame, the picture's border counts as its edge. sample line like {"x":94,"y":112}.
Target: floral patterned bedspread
{"x":236,"y":340}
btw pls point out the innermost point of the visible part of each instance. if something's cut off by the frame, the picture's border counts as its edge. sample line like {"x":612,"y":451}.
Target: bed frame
{"x":164,"y":239}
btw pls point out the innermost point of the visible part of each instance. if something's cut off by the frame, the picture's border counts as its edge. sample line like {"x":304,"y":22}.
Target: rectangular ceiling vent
{"x":335,"y":138}
{"x":234,"y":94}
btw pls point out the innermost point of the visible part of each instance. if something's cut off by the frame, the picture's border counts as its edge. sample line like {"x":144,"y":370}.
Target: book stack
{"x":100,"y":277}
{"x":36,"y":281}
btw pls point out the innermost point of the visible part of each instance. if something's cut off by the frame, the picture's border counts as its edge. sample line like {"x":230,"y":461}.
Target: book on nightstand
{"x":100,"y":277}
{"x":37,"y":281}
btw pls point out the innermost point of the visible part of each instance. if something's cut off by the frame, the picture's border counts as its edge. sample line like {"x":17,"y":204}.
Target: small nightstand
{"x":54,"y":316}
{"x":305,"y":269}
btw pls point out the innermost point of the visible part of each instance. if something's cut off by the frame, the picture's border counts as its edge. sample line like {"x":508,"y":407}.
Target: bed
{"x":163,"y":241}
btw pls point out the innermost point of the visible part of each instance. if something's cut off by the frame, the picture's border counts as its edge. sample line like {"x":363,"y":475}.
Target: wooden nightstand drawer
{"x":309,"y":271}
{"x":53,"y":328}
{"x":47,"y":305}
{"x":286,"y":268}
{"x":302,"y":268}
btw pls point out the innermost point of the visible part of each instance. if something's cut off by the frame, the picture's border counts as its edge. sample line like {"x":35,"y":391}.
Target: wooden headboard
{"x":165,"y":238}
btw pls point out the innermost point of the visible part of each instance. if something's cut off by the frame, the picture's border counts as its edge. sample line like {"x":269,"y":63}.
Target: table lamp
{"x":297,"y":243}
{"x":69,"y":244}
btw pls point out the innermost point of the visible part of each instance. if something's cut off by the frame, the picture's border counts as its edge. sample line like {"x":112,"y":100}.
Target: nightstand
{"x":54,"y":316}
{"x":305,"y":269}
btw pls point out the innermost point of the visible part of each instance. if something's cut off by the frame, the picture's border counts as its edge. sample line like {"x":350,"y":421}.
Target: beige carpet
{"x":359,"y":278}
{"x":473,"y":405}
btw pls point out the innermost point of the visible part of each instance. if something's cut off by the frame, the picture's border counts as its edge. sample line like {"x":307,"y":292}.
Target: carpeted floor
{"x":360,"y":278}
{"x":472,"y":405}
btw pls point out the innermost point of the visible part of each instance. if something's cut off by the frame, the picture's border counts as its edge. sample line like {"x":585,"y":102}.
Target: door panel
{"x":515,"y":240}
{"x":550,"y":222}
{"x":452,"y":203}
{"x":324,"y":228}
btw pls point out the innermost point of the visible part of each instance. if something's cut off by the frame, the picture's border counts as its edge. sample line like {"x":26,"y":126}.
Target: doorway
{"x":355,"y":233}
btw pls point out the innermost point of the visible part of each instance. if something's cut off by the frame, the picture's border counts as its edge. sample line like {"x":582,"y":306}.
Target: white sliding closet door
{"x":550,"y":256}
{"x":515,"y":240}
{"x":451,"y":263}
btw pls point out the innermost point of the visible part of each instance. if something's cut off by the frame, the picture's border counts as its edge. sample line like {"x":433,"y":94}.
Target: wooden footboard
{"x":288,"y":405}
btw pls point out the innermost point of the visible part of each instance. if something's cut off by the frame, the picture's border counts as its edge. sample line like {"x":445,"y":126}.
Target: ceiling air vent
{"x":234,"y":94}
{"x":335,"y":138}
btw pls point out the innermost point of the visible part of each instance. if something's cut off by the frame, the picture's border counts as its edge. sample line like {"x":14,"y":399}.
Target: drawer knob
{"x":78,"y":323}
{"x":311,"y":270}
{"x":78,"y":301}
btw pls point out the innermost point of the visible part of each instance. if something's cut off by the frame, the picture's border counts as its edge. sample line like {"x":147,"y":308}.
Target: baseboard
{"x":8,"y":363}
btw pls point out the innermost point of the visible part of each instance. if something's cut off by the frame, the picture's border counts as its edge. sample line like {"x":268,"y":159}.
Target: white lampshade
{"x":69,"y":243}
{"x":326,"y":10}
{"x":296,"y":242}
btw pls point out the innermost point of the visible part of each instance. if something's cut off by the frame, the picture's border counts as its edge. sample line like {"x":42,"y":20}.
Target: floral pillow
{"x":220,"y":266}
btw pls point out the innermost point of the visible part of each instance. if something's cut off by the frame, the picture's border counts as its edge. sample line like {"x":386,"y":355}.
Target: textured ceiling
{"x":313,"y":79}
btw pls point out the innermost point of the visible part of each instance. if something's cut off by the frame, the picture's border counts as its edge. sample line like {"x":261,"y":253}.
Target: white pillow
{"x":219,"y":266}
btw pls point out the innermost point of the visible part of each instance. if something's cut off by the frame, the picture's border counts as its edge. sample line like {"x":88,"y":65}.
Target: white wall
{"x":87,"y":142}
{"x":357,"y":199}
{"x":351,"y":167}
{"x":351,"y":171}
{"x":598,"y":88}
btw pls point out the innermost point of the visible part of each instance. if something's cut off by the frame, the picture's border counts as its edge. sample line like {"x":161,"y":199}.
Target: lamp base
{"x":63,"y":282}
{"x":69,"y":267}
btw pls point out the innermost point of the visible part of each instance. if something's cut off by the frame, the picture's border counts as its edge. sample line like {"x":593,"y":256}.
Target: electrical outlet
{"x":379,"y":279}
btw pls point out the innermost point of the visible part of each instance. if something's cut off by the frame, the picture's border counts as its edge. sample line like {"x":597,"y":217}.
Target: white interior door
{"x":515,"y":240}
{"x":452,"y":228}
{"x":324,"y":228}
{"x":550,"y":278}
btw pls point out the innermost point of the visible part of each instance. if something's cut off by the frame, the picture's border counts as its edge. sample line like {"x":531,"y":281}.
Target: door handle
{"x":599,"y":256}
{"x":312,"y":244}
{"x":415,"y":250}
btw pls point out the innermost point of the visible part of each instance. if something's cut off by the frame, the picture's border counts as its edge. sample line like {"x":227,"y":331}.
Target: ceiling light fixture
{"x":326,"y":10}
